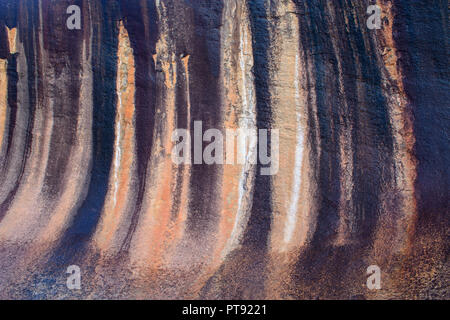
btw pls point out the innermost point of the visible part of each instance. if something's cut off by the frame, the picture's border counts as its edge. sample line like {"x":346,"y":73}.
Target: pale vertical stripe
{"x":247,"y":121}
{"x":291,"y":220}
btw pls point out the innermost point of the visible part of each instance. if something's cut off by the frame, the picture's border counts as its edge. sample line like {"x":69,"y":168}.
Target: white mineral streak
{"x":291,"y":220}
{"x":247,"y":121}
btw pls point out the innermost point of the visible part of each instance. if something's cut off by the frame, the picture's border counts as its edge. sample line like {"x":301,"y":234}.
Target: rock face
{"x":88,"y":178}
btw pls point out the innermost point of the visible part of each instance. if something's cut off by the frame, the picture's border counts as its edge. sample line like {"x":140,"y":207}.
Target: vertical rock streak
{"x":88,"y":177}
{"x":292,"y":220}
{"x":4,"y":111}
{"x":239,"y":113}
{"x":3,"y":101}
{"x":156,"y":230}
{"x":28,"y":201}
{"x":400,"y":116}
{"x":346,"y":209}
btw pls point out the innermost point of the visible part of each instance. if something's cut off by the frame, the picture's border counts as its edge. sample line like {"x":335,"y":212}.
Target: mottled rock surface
{"x":87,"y":177}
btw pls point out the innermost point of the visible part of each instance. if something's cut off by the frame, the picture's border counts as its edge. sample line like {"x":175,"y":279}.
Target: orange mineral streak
{"x":154,"y":232}
{"x":162,"y":202}
{"x":112,"y":228}
{"x":405,"y":163}
{"x":12,"y":33}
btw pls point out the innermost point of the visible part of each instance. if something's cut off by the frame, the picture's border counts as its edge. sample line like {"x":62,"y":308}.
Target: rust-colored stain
{"x":122,"y":173}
